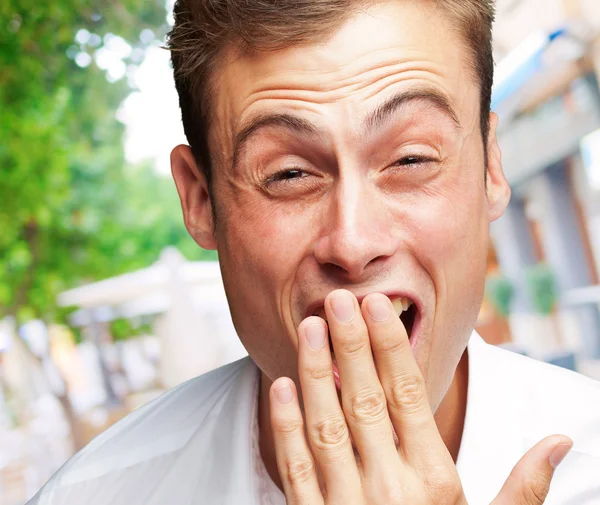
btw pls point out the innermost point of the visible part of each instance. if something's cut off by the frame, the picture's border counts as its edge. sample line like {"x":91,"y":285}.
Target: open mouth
{"x":406,"y":310}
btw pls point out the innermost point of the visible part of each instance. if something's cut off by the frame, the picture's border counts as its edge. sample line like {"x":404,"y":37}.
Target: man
{"x":344,"y":164}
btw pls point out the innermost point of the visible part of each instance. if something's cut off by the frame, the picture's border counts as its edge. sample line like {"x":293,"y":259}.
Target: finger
{"x":529,"y":482}
{"x":404,"y":386}
{"x":294,"y":460}
{"x":363,"y":398}
{"x":327,"y":431}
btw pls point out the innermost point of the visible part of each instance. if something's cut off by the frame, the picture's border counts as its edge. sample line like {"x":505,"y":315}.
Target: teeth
{"x":401,"y":305}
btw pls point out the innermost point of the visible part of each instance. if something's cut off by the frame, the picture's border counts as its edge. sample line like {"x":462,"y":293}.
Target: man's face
{"x":355,"y":163}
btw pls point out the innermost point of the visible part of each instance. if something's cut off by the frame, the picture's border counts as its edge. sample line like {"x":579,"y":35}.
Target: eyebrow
{"x":279,"y":120}
{"x":374,"y":120}
{"x":392,"y":105}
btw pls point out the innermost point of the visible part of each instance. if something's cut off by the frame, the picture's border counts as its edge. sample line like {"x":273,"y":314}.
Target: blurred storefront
{"x":548,"y":100}
{"x":35,"y":431}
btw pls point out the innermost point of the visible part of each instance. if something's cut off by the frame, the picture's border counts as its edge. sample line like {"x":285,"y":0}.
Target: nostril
{"x":335,"y":271}
{"x":378,"y":259}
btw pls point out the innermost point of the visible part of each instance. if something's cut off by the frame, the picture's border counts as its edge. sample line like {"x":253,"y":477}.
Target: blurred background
{"x":105,"y":302}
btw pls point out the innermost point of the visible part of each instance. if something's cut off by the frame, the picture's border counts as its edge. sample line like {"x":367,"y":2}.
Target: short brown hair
{"x":203,"y":28}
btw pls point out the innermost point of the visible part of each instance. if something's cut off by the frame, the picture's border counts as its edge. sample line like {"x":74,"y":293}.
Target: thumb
{"x":529,"y":482}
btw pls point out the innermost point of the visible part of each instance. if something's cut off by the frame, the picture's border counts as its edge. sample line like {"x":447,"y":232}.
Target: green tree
{"x":70,"y":209}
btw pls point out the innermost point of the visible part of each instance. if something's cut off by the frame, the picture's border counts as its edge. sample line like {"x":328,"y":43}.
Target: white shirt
{"x":198,"y":443}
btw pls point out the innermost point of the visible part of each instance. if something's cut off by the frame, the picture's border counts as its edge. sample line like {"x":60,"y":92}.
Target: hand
{"x":316,"y":458}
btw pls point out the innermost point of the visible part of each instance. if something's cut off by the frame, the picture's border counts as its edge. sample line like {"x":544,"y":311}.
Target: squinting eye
{"x":412,"y":160}
{"x":286,"y":175}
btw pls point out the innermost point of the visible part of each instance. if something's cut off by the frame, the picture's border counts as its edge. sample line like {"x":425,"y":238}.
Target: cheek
{"x":452,"y":248}
{"x":260,"y":250}
{"x":256,"y":272}
{"x":451,"y":242}
{"x":257,"y":234}
{"x":453,"y":230}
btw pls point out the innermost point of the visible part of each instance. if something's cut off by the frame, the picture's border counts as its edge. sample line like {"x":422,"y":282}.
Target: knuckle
{"x":536,"y":487}
{"x":353,"y":343}
{"x":287,"y":427}
{"x":444,"y":485}
{"x":330,"y":433}
{"x":390,"y":342}
{"x":367,"y":406}
{"x":299,"y":470}
{"x":389,"y":492}
{"x":407,"y":393}
{"x":319,"y":373}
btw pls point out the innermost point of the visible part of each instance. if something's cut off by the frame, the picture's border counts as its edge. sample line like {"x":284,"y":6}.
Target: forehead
{"x":389,"y":47}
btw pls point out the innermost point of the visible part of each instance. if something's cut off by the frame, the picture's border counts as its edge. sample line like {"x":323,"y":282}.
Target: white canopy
{"x":193,"y":322}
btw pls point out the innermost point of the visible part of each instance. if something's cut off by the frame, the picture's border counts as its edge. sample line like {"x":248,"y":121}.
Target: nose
{"x":357,"y":231}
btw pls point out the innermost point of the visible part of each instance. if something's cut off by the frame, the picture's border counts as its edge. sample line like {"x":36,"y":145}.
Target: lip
{"x":415,"y":334}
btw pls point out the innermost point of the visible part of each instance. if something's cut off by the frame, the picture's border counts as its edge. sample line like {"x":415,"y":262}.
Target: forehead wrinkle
{"x":317,"y":89}
{"x":309,"y":101}
{"x":420,"y":92}
{"x":307,"y":89}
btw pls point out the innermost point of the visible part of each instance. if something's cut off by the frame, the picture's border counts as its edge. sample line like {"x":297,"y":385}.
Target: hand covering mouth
{"x":406,"y":310}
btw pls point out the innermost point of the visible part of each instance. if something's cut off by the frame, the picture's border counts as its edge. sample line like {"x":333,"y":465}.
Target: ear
{"x":195,"y":198}
{"x":498,"y":190}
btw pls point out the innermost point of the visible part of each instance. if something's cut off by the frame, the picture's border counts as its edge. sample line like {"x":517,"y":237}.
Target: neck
{"x":449,"y":417}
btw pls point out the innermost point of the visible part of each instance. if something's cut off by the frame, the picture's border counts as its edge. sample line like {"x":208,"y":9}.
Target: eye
{"x":415,"y":160}
{"x":286,"y":175}
{"x":292,"y":182}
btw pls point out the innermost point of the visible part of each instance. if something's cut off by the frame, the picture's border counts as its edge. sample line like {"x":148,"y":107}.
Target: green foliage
{"x":71,"y":211}
{"x":542,"y":288}
{"x":499,"y":292}
{"x":123,"y":329}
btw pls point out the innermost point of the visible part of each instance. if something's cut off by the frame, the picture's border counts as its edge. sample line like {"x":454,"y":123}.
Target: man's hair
{"x":205,"y":28}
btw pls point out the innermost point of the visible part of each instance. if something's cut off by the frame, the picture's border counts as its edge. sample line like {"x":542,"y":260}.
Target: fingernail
{"x":343,"y":306}
{"x":378,"y":308}
{"x":559,"y":454}
{"x":284,"y":394}
{"x":316,"y":336}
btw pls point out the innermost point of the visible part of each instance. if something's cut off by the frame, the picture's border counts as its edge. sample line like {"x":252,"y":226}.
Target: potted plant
{"x":499,"y":295}
{"x":543,"y":294}
{"x":499,"y":291}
